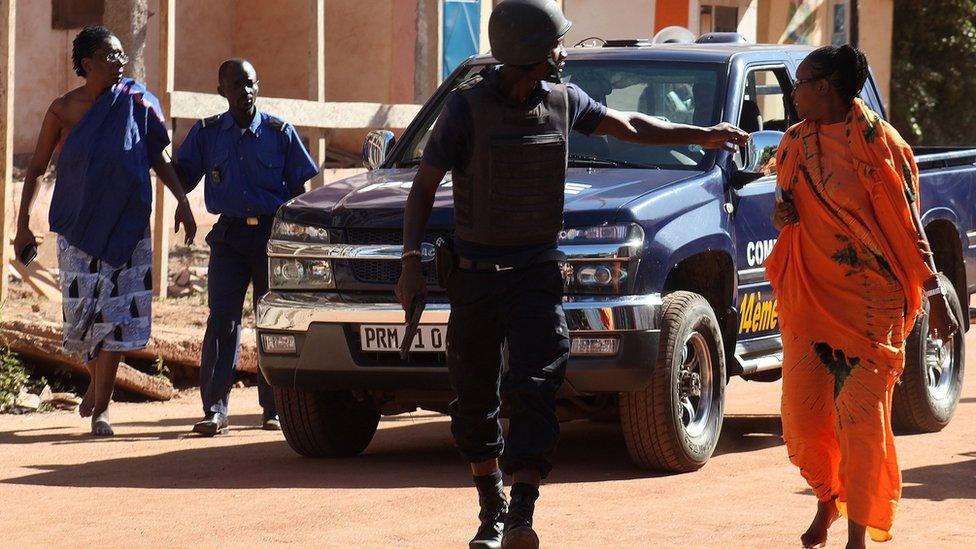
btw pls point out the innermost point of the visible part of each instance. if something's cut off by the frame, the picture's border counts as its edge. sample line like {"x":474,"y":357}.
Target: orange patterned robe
{"x":848,"y":278}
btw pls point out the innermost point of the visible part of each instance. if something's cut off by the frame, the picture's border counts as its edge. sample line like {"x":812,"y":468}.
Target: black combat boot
{"x":491,"y":497}
{"x":518,"y":522}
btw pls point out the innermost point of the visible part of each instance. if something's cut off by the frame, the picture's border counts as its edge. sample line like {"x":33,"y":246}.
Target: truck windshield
{"x":684,"y":93}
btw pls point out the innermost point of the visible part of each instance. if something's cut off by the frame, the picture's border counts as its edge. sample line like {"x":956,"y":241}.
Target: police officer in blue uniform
{"x":252,"y":163}
{"x":504,"y":136}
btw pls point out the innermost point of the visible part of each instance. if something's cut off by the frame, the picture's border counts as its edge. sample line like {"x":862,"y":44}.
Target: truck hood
{"x":377,"y":198}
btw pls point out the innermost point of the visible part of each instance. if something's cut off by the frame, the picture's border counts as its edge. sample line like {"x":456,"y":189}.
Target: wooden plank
{"x":164,"y":204}
{"x":176,"y":345}
{"x":8,"y":24}
{"x":313,"y":114}
{"x":46,"y":348}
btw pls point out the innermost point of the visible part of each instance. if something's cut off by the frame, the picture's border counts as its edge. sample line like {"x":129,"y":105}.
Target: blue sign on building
{"x":461,"y":32}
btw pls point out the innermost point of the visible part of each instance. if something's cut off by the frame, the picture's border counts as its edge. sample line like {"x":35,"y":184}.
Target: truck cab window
{"x":766,"y":103}
{"x":677,"y":92}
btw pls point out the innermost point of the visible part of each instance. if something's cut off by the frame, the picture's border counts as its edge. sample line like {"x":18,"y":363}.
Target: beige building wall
{"x":42,"y":70}
{"x":370,"y":53}
{"x":619,"y":19}
{"x":875,"y":31}
{"x":202,"y":43}
{"x":877,"y":20}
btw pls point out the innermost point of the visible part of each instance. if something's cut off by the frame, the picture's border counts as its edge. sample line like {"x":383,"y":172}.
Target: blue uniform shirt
{"x":250,"y":171}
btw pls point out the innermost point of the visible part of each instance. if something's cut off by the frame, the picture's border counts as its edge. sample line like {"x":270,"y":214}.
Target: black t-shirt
{"x":450,"y":144}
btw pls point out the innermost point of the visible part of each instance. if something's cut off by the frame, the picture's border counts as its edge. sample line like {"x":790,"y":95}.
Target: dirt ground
{"x":154,"y":484}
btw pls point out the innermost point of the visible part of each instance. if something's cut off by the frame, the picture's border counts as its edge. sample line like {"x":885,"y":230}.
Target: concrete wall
{"x":370,"y":53}
{"x":875,"y":30}
{"x":43,"y":70}
{"x":627,"y":19}
{"x":877,"y":20}
{"x":202,"y":43}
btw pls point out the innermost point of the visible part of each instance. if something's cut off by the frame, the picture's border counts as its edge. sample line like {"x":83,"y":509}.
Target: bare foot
{"x":87,"y":402}
{"x":816,"y":534}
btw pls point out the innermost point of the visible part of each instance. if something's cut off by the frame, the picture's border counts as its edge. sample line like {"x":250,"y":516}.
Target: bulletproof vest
{"x":510,"y":190}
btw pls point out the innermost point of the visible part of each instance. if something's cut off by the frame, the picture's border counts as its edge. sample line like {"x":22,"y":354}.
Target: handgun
{"x":413,"y":313}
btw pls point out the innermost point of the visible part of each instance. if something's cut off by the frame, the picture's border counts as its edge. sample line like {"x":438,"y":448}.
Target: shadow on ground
{"x":406,"y":452}
{"x":955,"y":480}
{"x":79,"y":435}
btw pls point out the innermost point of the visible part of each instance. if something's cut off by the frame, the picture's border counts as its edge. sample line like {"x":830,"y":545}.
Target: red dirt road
{"x":156,"y":485}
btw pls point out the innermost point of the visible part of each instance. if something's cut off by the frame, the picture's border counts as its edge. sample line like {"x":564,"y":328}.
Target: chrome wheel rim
{"x":940,"y":366}
{"x":694,"y":386}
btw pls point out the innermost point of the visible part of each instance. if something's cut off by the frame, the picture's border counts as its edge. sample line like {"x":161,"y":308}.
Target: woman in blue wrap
{"x":110,"y":131}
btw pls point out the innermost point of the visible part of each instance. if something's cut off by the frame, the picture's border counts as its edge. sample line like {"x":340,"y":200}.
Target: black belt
{"x":466,"y":264}
{"x":250,"y":221}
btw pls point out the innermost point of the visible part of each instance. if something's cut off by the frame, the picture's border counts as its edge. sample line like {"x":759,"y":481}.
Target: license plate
{"x":387,"y":337}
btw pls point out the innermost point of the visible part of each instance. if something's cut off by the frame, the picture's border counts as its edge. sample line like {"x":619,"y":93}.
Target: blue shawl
{"x":103,"y":194}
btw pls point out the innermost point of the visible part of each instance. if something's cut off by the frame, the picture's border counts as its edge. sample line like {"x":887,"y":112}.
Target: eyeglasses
{"x":801,"y":81}
{"x":117,"y":57}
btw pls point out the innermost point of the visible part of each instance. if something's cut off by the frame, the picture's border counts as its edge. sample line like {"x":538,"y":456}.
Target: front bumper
{"x":327,"y":354}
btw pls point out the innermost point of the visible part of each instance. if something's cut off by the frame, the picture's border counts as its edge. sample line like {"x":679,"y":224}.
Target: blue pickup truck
{"x":665,"y":292}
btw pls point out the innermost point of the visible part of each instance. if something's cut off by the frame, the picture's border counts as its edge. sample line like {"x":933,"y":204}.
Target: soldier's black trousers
{"x":524,"y":308}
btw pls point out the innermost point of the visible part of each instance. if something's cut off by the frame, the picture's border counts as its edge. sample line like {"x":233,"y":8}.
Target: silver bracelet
{"x":934,"y":291}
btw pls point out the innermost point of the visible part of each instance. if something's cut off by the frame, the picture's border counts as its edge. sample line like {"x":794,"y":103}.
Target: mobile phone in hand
{"x":27,"y":254}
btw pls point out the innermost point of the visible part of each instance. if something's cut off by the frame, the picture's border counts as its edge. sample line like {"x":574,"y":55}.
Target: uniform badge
{"x":215,"y":175}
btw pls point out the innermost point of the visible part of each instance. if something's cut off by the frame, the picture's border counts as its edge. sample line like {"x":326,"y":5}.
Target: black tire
{"x":656,"y":420}
{"x":925,"y":399}
{"x":325,"y":423}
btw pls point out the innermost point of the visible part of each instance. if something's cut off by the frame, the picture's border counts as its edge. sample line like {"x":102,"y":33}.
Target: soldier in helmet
{"x":504,"y":136}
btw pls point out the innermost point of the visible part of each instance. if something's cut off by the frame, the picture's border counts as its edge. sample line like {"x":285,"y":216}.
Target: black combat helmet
{"x":523,"y":32}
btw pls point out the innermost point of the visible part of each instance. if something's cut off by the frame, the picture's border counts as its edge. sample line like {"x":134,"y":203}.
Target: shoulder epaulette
{"x":277,"y":123}
{"x":210,"y":121}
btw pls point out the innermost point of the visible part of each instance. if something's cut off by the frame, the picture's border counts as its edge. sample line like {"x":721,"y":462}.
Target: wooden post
{"x":165,"y":207}
{"x":128,"y":20}
{"x":427,"y":50}
{"x":8,"y":24}
{"x":318,"y":140}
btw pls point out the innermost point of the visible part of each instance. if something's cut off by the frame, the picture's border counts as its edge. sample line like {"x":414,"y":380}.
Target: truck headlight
{"x":608,"y":234}
{"x":601,"y":259}
{"x":289,"y":273}
{"x":297,"y":232}
{"x":597,"y":277}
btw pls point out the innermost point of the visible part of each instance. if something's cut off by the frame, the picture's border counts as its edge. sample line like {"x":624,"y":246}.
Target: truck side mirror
{"x":760,"y":152}
{"x":376,"y":147}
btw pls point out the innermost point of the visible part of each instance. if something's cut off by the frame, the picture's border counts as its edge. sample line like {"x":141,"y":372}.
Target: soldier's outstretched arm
{"x":648,"y":130}
{"x":419,"y":204}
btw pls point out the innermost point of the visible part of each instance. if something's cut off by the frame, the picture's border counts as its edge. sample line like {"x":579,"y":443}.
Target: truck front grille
{"x":387,"y":272}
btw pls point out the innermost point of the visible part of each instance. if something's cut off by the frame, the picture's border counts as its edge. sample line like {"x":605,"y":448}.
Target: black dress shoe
{"x":271,"y":423}
{"x":216,"y":424}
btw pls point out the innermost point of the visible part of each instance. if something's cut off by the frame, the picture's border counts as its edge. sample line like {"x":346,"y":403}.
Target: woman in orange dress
{"x":850,"y":270}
